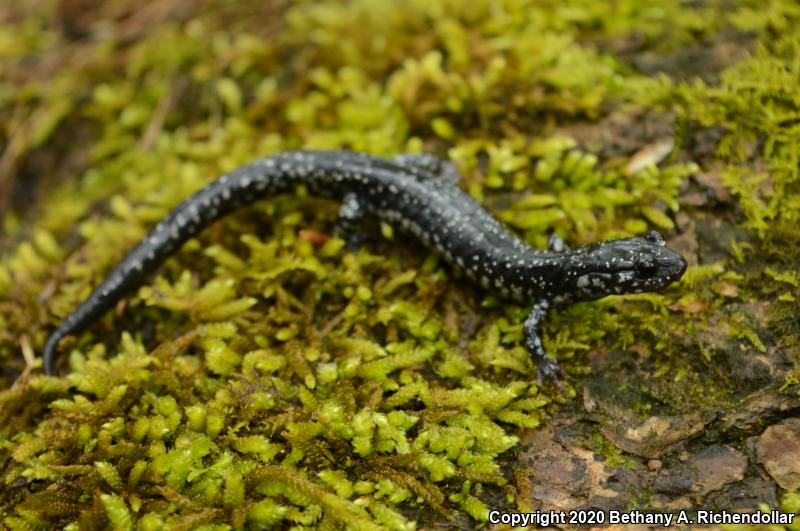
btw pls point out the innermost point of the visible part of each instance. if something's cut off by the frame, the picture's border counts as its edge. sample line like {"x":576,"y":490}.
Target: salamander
{"x":419,"y":195}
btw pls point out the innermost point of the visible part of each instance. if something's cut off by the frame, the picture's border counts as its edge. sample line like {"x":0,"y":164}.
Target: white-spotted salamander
{"x":419,"y":194}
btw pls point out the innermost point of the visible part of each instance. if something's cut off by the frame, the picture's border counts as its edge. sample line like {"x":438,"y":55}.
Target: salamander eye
{"x":656,"y":238}
{"x":645,"y":266}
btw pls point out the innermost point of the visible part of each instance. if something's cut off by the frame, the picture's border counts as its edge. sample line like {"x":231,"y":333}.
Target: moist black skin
{"x":417,"y":193}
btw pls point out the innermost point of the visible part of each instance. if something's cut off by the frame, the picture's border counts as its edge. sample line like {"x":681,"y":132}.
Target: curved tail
{"x":49,"y":353}
{"x":237,"y":188}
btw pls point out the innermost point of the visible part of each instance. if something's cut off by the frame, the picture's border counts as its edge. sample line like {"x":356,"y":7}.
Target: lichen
{"x":267,"y":376}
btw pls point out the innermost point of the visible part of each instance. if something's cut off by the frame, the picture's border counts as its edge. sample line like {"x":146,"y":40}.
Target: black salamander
{"x":417,"y":193}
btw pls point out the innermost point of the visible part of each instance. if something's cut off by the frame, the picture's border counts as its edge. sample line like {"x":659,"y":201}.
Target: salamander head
{"x":630,"y":265}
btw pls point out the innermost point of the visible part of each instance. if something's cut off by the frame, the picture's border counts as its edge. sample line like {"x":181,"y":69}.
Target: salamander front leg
{"x":347,"y":224}
{"x":546,"y":367}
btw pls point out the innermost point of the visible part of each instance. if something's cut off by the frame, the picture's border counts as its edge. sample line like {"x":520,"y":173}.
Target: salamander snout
{"x":674,"y":265}
{"x":667,"y":264}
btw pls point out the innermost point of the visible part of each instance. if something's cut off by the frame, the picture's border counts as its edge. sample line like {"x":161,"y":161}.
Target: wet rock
{"x":557,"y":475}
{"x":778,"y":449}
{"x":762,"y":407}
{"x":704,"y":472}
{"x":563,"y":474}
{"x":651,"y":437}
{"x":744,"y":495}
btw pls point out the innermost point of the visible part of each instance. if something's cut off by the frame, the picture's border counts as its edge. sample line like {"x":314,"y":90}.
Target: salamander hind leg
{"x":546,"y":367}
{"x":556,"y":244}
{"x":347,"y":224}
{"x":424,"y":162}
{"x":424,"y":165}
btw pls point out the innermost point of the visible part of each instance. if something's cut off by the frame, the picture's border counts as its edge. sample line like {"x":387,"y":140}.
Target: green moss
{"x":613,"y":456}
{"x":266,"y":376}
